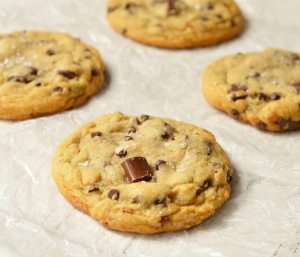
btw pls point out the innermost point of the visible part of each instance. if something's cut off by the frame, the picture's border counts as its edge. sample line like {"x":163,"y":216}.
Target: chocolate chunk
{"x":131,"y":130}
{"x":121,"y":153}
{"x":128,"y":138}
{"x":237,"y":87}
{"x":33,"y":71}
{"x":67,"y":74}
{"x":159,"y":163}
{"x":94,"y":72}
{"x":57,"y":89}
{"x":93,"y":188}
{"x":297,"y":86}
{"x":137,"y":169}
{"x":96,"y":134}
{"x":136,"y":199}
{"x":235,"y":97}
{"x":50,"y":52}
{"x":165,"y":135}
{"x":261,"y":125}
{"x":113,"y":194}
{"x":288,"y":124}
{"x":164,"y":220}
{"x":274,"y":96}
{"x":206,"y":184}
{"x":235,"y":113}
{"x":171,"y":6}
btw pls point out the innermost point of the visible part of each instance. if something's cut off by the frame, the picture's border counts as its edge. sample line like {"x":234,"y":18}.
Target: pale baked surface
{"x":191,"y":183}
{"x":262,"y":88}
{"x":45,"y":72}
{"x":176,"y":23}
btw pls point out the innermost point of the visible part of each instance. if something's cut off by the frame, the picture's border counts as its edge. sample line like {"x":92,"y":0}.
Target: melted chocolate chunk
{"x":159,"y":163}
{"x":96,"y":134}
{"x":159,"y":201}
{"x":261,"y":125}
{"x":235,"y":113}
{"x":165,"y":135}
{"x":261,"y":96}
{"x":67,"y":74}
{"x":144,"y":117}
{"x":113,"y":194}
{"x":237,"y":87}
{"x":287,"y":124}
{"x":50,"y":52}
{"x":206,"y":184}
{"x":229,"y":178}
{"x":137,"y":169}
{"x":121,"y":153}
{"x":93,"y":188}
{"x":274,"y":96}
{"x":58,"y":89}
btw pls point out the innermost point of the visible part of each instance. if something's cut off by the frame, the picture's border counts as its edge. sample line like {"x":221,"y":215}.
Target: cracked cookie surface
{"x":262,"y":88}
{"x":176,"y":23}
{"x":143,"y":174}
{"x":45,"y":72}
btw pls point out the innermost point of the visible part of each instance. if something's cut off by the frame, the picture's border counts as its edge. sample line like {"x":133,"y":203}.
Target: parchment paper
{"x":263,"y":216}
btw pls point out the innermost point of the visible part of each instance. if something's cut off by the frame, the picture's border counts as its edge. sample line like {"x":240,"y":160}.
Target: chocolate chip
{"x":38,"y":84}
{"x":112,"y":9}
{"x":96,"y":134}
{"x":136,"y":199}
{"x":57,"y":89}
{"x":235,"y":113}
{"x":171,"y":6}
{"x":206,"y":184}
{"x":219,"y":16}
{"x":124,"y":31}
{"x":288,"y":124}
{"x":295,"y":57}
{"x":50,"y":52}
{"x":121,"y":153}
{"x":235,"y":97}
{"x":297,"y":86}
{"x":232,"y":23}
{"x":93,"y":188}
{"x":274,"y":96}
{"x":137,"y":169}
{"x":165,"y":135}
{"x":33,"y":71}
{"x":164,"y":220}
{"x":144,"y":117}
{"x":131,"y":130}
{"x":128,"y":138}
{"x":159,"y":163}
{"x":210,"y":6}
{"x":261,"y":96}
{"x":261,"y":125}
{"x":94,"y":72}
{"x":113,"y":194}
{"x":20,"y":78}
{"x":159,"y":201}
{"x":67,"y":74}
{"x":238,"y":87}
{"x":229,"y":178}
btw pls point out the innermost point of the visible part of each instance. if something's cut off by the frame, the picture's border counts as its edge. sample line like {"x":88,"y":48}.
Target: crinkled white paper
{"x":263,"y":216}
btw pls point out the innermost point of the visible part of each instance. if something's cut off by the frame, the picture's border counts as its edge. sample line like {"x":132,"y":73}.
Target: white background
{"x":263,"y":216}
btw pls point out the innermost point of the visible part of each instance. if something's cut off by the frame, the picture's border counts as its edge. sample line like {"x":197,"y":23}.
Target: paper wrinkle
{"x":262,"y":217}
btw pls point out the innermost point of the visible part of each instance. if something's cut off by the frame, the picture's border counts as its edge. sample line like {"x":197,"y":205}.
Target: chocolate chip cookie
{"x":143,"y":174}
{"x":45,"y":72}
{"x":176,"y":23}
{"x":262,"y":88}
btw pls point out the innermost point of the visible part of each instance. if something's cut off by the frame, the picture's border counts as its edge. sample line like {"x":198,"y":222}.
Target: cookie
{"x":45,"y":72}
{"x":176,"y":23}
{"x":143,"y":174}
{"x":261,"y":88}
